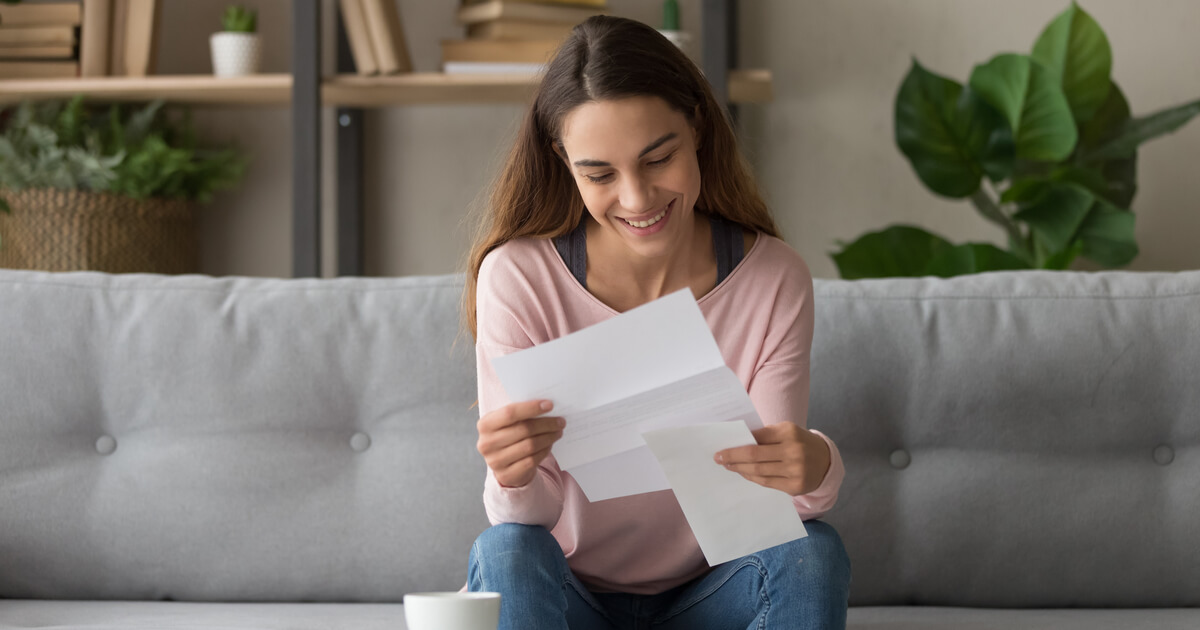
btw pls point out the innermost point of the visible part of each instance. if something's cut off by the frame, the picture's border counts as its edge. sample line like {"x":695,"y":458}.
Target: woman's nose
{"x":635,"y":194}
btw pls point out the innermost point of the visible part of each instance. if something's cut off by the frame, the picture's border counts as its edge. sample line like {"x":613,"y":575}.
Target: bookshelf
{"x":306,"y":91}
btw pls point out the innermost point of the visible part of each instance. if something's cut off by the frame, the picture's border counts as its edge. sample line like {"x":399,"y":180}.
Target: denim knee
{"x":821,"y":554}
{"x":518,"y":546}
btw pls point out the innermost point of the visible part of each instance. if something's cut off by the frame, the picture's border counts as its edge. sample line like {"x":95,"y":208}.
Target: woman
{"x":625,"y":184}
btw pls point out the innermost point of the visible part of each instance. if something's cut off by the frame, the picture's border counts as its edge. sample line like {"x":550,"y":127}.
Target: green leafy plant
{"x":238,"y":19}
{"x":142,"y":152}
{"x":1043,"y":145}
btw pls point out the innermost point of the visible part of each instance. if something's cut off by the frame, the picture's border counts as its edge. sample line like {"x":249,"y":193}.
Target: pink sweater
{"x":762,"y":318}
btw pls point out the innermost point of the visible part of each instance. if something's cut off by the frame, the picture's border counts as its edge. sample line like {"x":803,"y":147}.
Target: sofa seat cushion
{"x":934,"y":617}
{"x":119,"y":615}
{"x":114,"y":615}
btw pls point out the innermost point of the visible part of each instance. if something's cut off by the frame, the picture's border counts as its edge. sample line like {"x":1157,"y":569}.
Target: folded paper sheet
{"x":652,"y":367}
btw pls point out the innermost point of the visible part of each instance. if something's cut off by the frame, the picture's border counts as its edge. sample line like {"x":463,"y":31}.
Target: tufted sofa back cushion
{"x":1015,"y":439}
{"x":239,"y":439}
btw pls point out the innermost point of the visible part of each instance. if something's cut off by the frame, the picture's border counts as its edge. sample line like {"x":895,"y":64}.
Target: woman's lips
{"x":652,"y":224}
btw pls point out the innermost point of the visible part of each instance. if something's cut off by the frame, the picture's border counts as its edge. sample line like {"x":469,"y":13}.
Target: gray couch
{"x":1023,"y":449}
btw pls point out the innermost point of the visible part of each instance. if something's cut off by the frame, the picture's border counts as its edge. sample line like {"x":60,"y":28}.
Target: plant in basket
{"x":104,"y":188}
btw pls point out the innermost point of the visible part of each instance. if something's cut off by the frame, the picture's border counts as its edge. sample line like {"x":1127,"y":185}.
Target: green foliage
{"x":1044,"y":146}
{"x":238,"y":19}
{"x":136,"y":152}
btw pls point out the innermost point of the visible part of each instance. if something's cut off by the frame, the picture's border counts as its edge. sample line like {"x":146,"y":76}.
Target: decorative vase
{"x":235,"y":54}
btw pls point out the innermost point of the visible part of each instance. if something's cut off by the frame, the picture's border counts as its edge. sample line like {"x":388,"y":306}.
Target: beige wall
{"x":823,"y":149}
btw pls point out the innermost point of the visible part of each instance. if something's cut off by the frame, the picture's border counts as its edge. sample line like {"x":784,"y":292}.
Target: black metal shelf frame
{"x":719,"y":33}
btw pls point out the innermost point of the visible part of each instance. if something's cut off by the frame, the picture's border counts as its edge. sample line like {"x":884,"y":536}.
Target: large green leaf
{"x":1108,"y":235}
{"x":1056,"y":216}
{"x":1076,"y":49}
{"x":1138,"y":130}
{"x":899,"y":250}
{"x":973,"y":258}
{"x":1120,"y":174}
{"x":1031,"y":99}
{"x":951,"y":137}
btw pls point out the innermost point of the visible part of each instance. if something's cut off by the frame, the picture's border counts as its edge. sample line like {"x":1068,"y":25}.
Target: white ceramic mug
{"x":452,"y":611}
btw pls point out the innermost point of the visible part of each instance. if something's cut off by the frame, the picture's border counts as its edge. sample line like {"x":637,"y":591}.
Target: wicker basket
{"x":77,"y":230}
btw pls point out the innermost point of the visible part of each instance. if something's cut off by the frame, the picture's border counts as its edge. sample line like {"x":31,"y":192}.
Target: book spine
{"x":387,"y":36}
{"x":93,"y":38}
{"x":37,"y":36}
{"x":116,"y":38}
{"x":139,"y":37}
{"x":500,"y":10}
{"x":44,"y":14}
{"x":355,"y":22}
{"x":38,"y":69}
{"x":36,"y":52}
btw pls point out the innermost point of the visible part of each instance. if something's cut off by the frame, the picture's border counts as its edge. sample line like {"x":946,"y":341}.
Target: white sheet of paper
{"x":730,"y":515}
{"x":623,"y":474}
{"x":651,"y":367}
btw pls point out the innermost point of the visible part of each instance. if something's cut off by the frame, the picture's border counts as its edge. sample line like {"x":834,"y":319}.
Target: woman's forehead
{"x":628,"y":123}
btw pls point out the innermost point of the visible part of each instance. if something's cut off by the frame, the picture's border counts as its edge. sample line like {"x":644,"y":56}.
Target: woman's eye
{"x":598,"y":180}
{"x":662,"y":161}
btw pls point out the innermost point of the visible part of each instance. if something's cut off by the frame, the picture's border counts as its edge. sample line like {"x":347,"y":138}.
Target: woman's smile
{"x":651,"y":225}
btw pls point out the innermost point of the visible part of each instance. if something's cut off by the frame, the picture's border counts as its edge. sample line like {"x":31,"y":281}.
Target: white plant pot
{"x":235,"y":54}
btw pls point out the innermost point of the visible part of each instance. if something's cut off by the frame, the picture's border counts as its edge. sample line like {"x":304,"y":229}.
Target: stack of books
{"x":513,"y":36}
{"x":376,"y":36}
{"x":92,"y":38}
{"x":39,"y":40}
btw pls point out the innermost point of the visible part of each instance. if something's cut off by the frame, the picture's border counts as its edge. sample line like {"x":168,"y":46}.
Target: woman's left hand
{"x":786,"y":458}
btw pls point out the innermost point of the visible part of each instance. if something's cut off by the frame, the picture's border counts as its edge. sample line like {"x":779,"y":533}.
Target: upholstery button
{"x":106,"y":445}
{"x":900,"y":459}
{"x":360,"y":442}
{"x":1164,"y":455}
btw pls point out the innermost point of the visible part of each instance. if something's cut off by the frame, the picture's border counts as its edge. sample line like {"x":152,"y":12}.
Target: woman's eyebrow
{"x":650,"y":147}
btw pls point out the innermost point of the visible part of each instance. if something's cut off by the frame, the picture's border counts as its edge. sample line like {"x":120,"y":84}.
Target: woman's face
{"x":634,"y":161}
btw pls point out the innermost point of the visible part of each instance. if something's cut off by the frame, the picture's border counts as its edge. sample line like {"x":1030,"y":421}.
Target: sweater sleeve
{"x":780,"y":386}
{"x":499,"y":332}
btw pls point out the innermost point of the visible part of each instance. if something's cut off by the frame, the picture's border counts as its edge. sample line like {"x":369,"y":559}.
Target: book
{"x":508,"y":10}
{"x":116,"y":38}
{"x":38,"y":69}
{"x":37,"y":52}
{"x":37,"y":36}
{"x":491,"y":67}
{"x":387,"y":36}
{"x":519,"y":29}
{"x":595,"y":4}
{"x":41,"y":14}
{"x":519,"y":51}
{"x":355,"y":23}
{"x":94,"y":38}
{"x":140,"y":37}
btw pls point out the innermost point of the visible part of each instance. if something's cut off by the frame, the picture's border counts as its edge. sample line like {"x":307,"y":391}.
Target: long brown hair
{"x":608,"y":58}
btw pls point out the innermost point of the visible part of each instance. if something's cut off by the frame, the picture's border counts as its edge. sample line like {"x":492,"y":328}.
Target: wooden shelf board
{"x":262,"y":89}
{"x":745,"y":86}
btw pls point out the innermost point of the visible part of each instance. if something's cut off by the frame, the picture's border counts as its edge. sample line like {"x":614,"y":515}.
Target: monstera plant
{"x":1043,"y":145}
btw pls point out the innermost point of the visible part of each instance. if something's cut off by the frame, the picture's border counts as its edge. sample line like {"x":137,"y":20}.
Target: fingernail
{"x":547,"y":405}
{"x":718,"y":458}
{"x":562,"y":422}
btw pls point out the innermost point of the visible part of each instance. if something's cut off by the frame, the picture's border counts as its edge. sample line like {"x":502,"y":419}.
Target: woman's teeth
{"x":645,"y":224}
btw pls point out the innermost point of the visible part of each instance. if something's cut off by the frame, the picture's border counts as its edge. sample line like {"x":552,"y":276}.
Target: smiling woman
{"x":625,"y":184}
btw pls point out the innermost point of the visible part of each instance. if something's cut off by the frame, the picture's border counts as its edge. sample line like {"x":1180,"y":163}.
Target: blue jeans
{"x":801,"y":584}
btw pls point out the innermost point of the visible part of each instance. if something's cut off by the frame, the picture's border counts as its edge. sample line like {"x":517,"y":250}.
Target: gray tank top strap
{"x":726,"y":239}
{"x":573,"y":250}
{"x":727,"y":246}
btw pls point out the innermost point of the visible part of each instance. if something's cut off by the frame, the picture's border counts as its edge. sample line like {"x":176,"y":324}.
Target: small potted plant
{"x":237,"y":50}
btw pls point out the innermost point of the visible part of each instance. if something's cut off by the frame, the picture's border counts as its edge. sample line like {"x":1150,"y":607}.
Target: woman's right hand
{"x":515,"y":438}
